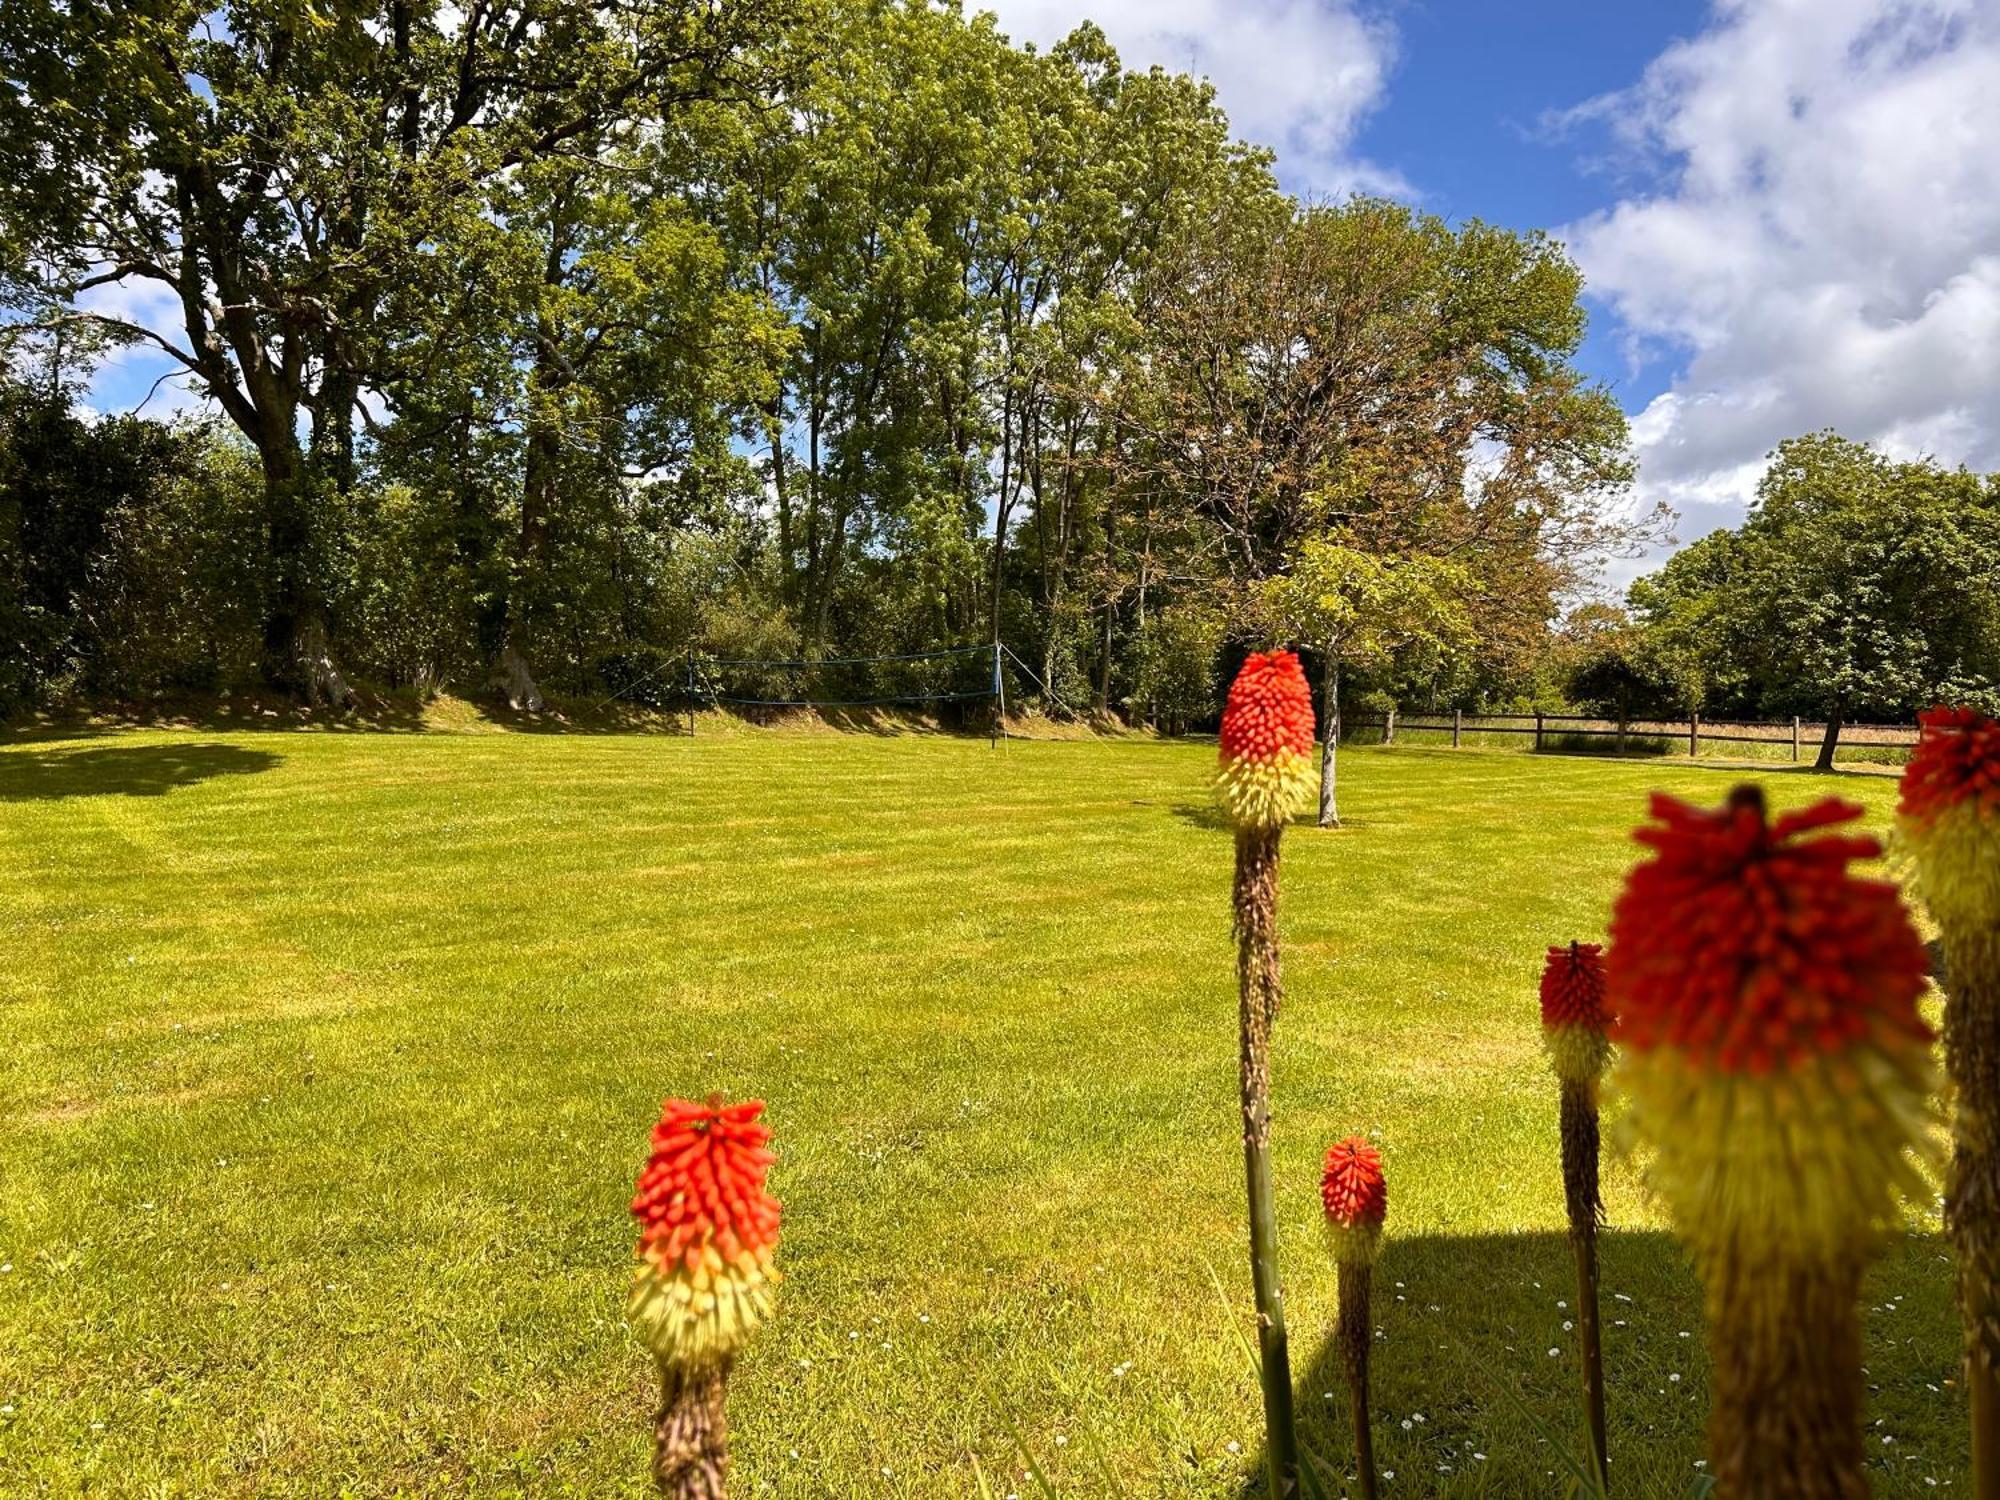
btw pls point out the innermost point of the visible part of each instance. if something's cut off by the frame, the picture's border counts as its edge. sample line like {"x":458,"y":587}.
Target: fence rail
{"x":1796,"y":735}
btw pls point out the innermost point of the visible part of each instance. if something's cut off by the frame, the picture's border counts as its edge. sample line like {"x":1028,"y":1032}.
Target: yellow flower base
{"x":1956,"y":860}
{"x":698,"y":1315}
{"x":1798,"y":1164}
{"x":1265,"y":793}
{"x":1578,"y":1054}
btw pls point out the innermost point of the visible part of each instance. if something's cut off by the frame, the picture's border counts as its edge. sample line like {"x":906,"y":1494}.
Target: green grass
{"x":330,"y":1061}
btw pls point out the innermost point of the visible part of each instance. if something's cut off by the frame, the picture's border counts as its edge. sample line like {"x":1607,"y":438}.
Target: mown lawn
{"x":330,"y":1058}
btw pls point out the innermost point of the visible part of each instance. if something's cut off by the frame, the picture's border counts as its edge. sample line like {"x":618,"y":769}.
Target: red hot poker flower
{"x":1747,"y":947}
{"x":1573,"y":987}
{"x":1575,"y":1018}
{"x":1766,"y":1003}
{"x":1356,"y":1199}
{"x":1267,"y":741}
{"x":1956,"y":765}
{"x":1949,"y":819}
{"x":707,"y":1231}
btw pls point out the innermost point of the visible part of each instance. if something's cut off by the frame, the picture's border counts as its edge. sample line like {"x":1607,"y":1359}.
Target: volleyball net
{"x":949,"y":674}
{"x":655,"y":677}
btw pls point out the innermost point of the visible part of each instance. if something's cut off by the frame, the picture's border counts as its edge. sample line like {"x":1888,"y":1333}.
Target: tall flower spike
{"x":1266,"y":771}
{"x":1356,"y":1199}
{"x":1766,"y":1011}
{"x":1575,"y":1023}
{"x":1949,"y":816}
{"x":1948,"y":821}
{"x":1266,"y":775}
{"x":708,"y":1232}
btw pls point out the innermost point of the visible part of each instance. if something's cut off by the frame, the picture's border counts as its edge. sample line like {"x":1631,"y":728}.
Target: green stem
{"x":1580,"y":1190}
{"x":1585,"y":1246}
{"x":1784,"y":1345}
{"x":1972,"y":1193}
{"x":691,"y":1433}
{"x":1355,"y":1337}
{"x":1256,"y":910}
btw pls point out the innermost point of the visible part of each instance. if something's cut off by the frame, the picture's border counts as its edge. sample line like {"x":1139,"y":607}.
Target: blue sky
{"x":1467,"y":122}
{"x":1787,"y":212}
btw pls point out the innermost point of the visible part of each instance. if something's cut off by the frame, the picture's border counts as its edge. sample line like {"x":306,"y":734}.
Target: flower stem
{"x":691,"y":1432}
{"x":1580,"y":1190}
{"x":1354,"y":1335}
{"x":1256,"y":913}
{"x":1785,"y":1347}
{"x":1972,"y":1197}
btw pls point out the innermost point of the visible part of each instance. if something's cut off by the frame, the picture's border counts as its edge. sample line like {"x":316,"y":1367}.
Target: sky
{"x":1787,"y":212}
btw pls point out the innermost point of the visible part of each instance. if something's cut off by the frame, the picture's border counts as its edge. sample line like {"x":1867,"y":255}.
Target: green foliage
{"x":1859,"y":587}
{"x":646,"y":675}
{"x":129,"y":554}
{"x":1371,"y":611}
{"x":903,"y":333}
{"x":1174,"y":666}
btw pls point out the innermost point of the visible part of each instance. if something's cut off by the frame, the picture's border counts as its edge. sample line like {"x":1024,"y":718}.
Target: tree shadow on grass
{"x":1468,"y":1398}
{"x":121,"y":770}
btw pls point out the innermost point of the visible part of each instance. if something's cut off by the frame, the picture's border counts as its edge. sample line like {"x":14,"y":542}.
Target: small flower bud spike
{"x":1575,"y":1019}
{"x":1356,"y":1200}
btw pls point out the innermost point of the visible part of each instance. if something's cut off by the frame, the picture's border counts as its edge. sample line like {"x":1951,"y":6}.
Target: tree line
{"x":544,"y":341}
{"x":1860,"y":587}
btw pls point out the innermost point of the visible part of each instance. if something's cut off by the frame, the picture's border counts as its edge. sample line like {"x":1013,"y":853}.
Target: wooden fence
{"x":1800,"y":736}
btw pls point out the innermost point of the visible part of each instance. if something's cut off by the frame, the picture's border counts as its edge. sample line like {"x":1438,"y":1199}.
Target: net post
{"x":999,"y":700}
{"x":690,"y":691}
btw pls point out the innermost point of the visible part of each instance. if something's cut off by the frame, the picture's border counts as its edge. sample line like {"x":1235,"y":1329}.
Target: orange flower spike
{"x":1948,"y":826}
{"x":1356,"y":1199}
{"x":1765,"y":999}
{"x":708,"y":1232}
{"x":1266,"y":772}
{"x":1575,"y":1017}
{"x":1948,"y":818}
{"x":1765,"y":1003}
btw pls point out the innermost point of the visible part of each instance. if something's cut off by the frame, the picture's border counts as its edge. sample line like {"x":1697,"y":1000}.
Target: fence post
{"x":1454,"y":728}
{"x":1389,"y":728}
{"x":1694,"y":733}
{"x":1795,"y":739}
{"x":1538,"y":731}
{"x":690,"y":688}
{"x":1619,"y":744}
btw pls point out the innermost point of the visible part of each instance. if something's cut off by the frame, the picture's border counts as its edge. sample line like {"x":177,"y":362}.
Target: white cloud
{"x":1820,"y":240}
{"x":1295,"y":75}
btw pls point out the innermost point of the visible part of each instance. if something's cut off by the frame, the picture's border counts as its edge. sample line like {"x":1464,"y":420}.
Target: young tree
{"x":1366,"y":372}
{"x":1362,"y":609}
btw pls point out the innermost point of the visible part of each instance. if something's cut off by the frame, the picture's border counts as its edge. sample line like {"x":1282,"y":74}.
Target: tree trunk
{"x":296,"y":657}
{"x":1103,"y":698}
{"x":512,"y":676}
{"x":1329,"y":715}
{"x":1830,"y":741}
